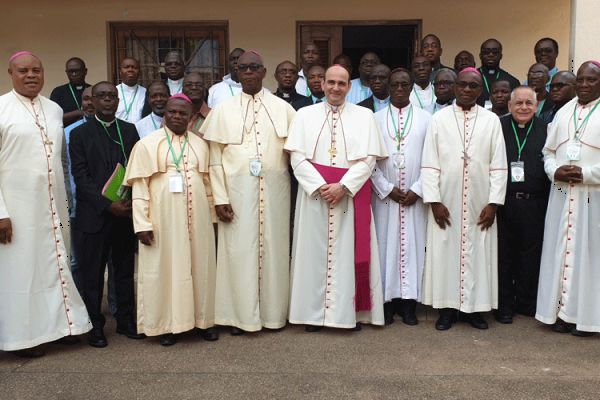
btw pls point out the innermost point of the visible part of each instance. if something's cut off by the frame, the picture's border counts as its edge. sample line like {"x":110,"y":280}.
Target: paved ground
{"x":520,"y":361}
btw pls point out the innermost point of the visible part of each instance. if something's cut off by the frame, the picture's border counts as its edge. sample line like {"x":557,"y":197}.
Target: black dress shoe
{"x":503,"y":317}
{"x":577,"y":332}
{"x":445,"y":320}
{"x":96,"y":338}
{"x":409,"y":312}
{"x":34,"y":352}
{"x":67,"y":340}
{"x":477,"y":321}
{"x":561,"y":326}
{"x":168,"y":339}
{"x":237,"y":331}
{"x":312,"y":328}
{"x":357,"y":328}
{"x":130,"y":331}
{"x":388,"y":313}
{"x":210,"y":334}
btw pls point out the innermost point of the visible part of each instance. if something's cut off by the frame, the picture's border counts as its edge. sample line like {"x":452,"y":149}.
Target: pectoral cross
{"x":465,"y":157}
{"x":47,"y":140}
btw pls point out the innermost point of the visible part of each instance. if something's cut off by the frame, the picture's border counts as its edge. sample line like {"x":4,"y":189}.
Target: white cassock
{"x":248,"y":132}
{"x":39,"y":302}
{"x":569,"y":286}
{"x":400,"y":230}
{"x":223,"y":90}
{"x":461,"y":263}
{"x":323,"y":269}
{"x":358,"y":92}
{"x":131,"y":102}
{"x":423,"y":98}
{"x":148,"y":124}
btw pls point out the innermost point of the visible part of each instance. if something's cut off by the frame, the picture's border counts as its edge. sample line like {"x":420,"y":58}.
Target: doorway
{"x":396,"y":42}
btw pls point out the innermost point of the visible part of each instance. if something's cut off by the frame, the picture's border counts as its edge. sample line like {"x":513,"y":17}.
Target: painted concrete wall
{"x":59,"y":29}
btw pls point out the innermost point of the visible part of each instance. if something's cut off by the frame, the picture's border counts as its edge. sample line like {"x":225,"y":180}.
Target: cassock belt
{"x":362,"y":235}
{"x":526,"y":196}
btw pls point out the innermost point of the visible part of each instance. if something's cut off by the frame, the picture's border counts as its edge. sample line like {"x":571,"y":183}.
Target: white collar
{"x":26,"y":99}
{"x":106,"y":124}
{"x":172,"y":82}
{"x":384,"y":101}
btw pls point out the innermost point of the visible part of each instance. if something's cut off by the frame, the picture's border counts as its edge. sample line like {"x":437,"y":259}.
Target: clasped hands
{"x":404,"y":198}
{"x":442,"y":215}
{"x":569,"y":174}
{"x":332,"y":193}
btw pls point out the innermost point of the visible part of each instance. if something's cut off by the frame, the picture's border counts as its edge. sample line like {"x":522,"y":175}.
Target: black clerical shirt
{"x":536,"y":180}
{"x":491,"y":76}
{"x":62,"y":96}
{"x":295,"y":99}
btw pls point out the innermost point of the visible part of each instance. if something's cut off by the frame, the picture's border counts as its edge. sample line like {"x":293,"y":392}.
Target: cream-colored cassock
{"x":569,"y":285}
{"x":176,"y":274}
{"x":461,"y":263}
{"x":253,"y":249}
{"x":400,"y":230}
{"x":323,"y":279}
{"x":38,"y":299}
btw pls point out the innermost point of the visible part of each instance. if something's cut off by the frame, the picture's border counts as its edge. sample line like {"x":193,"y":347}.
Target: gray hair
{"x":523,"y":87}
{"x":448,"y":70}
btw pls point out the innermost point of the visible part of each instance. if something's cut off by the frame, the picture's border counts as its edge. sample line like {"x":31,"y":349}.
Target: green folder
{"x":113,"y":188}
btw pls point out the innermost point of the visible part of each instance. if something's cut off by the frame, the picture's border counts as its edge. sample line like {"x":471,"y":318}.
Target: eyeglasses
{"x":251,"y":67}
{"x":403,"y":85}
{"x":559,"y":85}
{"x":470,"y":85}
{"x":104,"y":95}
{"x":443,"y":83}
{"x":536,"y":73}
{"x":490,"y":51}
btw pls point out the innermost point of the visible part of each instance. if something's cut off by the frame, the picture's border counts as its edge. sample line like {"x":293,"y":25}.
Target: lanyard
{"x":153,"y":122}
{"x":176,"y":160}
{"x":485,"y":81}
{"x":120,"y":142}
{"x":74,"y":97}
{"x":308,"y":93}
{"x":521,"y":146}
{"x":400,"y":135}
{"x":419,"y":97}
{"x":540,"y":108}
{"x":198,"y":123}
{"x":578,"y":128}
{"x":128,"y":108}
{"x":230,"y":89}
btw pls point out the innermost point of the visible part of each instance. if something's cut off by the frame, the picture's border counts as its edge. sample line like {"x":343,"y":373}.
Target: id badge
{"x":255,"y":166}
{"x":176,"y":183}
{"x":517,"y":171}
{"x":399,"y":160}
{"x":487,"y":105}
{"x":574,"y":150}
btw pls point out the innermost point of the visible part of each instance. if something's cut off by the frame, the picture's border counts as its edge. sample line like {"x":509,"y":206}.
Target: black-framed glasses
{"x":559,"y":85}
{"x":104,"y":95}
{"x":403,"y":85}
{"x":470,"y":85}
{"x":443,"y":83}
{"x":251,"y":67}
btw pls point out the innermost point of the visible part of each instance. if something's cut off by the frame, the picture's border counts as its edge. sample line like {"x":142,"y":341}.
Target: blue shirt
{"x":68,"y":130}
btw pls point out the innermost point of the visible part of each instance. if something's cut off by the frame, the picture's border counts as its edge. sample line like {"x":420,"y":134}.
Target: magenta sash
{"x":362,"y":235}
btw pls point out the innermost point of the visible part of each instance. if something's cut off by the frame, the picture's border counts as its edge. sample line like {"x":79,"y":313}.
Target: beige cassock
{"x":323,"y":278}
{"x":176,"y":274}
{"x":461,"y":262}
{"x":569,"y":286}
{"x":38,"y":299}
{"x":253,"y":249}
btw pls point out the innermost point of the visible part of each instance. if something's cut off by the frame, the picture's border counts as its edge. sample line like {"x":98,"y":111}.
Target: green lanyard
{"x":198,"y":123}
{"x":308,"y":93}
{"x":485,"y":81}
{"x":176,"y":160}
{"x":400,"y":135}
{"x":120,"y":142}
{"x":128,"y":108}
{"x":578,"y":128}
{"x":521,"y":146}
{"x":540,"y":107}
{"x":153,"y":122}
{"x":419,"y":97}
{"x":230,"y":89}
{"x":74,"y":97}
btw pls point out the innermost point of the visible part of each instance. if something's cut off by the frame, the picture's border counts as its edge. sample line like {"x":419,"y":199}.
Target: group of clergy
{"x":375,"y":185}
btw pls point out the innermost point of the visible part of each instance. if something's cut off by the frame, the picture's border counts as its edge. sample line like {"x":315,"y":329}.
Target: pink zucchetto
{"x":21,"y":53}
{"x":181,"y":96}
{"x":470,"y":69}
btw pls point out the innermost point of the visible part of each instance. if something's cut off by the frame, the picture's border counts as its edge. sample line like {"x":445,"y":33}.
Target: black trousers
{"x":520,"y":237}
{"x":93,"y":249}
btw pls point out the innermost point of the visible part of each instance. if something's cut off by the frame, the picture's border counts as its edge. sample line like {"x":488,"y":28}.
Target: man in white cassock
{"x":569,"y":286}
{"x":168,"y":171}
{"x":333,"y":147}
{"x":230,"y":85}
{"x":251,"y":190}
{"x":399,"y":212}
{"x":463,"y":178}
{"x":132,"y":96}
{"x":39,"y":302}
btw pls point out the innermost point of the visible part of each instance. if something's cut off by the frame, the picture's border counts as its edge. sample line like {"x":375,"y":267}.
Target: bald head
{"x":251,"y":57}
{"x":562,"y":87}
{"x":336,"y":85}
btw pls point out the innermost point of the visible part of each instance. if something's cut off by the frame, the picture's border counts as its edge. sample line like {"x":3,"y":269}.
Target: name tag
{"x":574,"y":150}
{"x":255,"y":167}
{"x":176,"y":183}
{"x":487,"y":105}
{"x":517,"y":171}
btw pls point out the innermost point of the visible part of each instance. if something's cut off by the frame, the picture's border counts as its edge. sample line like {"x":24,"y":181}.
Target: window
{"x":203,"y":46}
